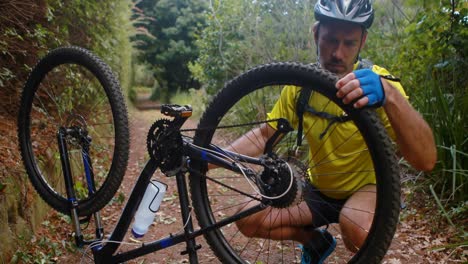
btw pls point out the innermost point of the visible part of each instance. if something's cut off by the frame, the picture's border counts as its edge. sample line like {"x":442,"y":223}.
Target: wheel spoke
{"x":333,"y":155}
{"x":65,"y":91}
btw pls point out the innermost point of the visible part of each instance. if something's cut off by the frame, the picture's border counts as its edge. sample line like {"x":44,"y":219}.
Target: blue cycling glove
{"x":371,"y":86}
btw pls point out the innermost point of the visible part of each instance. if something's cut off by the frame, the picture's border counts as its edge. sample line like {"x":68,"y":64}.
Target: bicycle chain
{"x":230,"y":126}
{"x":295,"y":195}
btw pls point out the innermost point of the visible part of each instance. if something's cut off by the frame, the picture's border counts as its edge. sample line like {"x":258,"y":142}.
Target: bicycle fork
{"x":71,"y":195}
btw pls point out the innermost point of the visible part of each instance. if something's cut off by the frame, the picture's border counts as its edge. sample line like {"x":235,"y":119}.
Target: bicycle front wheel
{"x":73,"y":89}
{"x":240,"y":108}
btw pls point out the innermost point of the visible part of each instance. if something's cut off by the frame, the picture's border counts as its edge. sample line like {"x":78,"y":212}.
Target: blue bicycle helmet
{"x":355,"y":11}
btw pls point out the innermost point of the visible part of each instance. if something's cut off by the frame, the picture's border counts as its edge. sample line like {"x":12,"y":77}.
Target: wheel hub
{"x":276,"y":181}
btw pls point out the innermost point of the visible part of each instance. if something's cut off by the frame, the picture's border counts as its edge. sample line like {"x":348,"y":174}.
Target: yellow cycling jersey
{"x":339,"y":163}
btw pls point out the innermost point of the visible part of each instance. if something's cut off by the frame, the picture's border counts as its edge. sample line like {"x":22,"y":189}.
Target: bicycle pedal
{"x":175,"y":110}
{"x":185,"y":252}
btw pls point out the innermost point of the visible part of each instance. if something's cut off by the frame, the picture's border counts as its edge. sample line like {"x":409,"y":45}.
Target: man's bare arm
{"x":253,"y":142}
{"x":413,"y":135}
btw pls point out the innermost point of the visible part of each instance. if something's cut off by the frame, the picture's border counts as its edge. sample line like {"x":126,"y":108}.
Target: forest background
{"x":183,"y":51}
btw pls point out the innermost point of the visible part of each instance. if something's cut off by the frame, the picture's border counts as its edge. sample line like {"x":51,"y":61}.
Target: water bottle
{"x":149,"y":205}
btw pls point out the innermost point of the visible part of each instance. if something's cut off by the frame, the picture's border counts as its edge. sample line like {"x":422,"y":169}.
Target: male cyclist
{"x":340,"y":32}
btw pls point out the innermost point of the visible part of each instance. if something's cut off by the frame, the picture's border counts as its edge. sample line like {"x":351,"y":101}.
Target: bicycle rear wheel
{"x":242,"y":106}
{"x":72,"y":88}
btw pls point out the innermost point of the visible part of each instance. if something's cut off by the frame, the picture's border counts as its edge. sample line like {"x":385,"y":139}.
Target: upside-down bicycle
{"x":74,"y":140}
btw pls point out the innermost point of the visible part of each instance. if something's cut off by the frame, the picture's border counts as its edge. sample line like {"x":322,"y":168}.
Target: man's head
{"x":341,"y":32}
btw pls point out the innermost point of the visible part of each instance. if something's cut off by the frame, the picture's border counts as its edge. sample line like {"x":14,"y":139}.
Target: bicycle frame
{"x":106,"y":253}
{"x":361,"y":150}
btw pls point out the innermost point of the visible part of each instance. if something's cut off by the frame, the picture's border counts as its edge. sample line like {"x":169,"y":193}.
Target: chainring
{"x":165,"y":145}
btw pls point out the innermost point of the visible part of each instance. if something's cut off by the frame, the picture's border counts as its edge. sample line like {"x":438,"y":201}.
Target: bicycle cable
{"x":90,"y":246}
{"x":247,"y":178}
{"x":131,"y":243}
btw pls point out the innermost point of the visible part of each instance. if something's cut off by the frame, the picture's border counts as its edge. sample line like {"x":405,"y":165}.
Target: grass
{"x":444,"y":108}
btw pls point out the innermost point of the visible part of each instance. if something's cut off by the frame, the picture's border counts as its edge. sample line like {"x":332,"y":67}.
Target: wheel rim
{"x":220,"y":203}
{"x":69,"y":95}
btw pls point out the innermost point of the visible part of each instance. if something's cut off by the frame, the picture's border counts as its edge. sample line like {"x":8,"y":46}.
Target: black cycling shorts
{"x":325,"y":210}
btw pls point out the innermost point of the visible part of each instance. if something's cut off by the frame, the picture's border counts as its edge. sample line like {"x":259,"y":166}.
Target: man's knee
{"x":249,"y":226}
{"x":356,"y":217}
{"x":244,"y":227}
{"x":354,"y":229}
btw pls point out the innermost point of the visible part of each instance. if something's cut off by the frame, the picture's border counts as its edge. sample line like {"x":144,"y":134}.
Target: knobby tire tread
{"x":387,"y":211}
{"x":83,"y":57}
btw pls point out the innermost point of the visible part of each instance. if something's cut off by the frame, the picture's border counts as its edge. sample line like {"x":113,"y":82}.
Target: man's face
{"x":339,"y":44}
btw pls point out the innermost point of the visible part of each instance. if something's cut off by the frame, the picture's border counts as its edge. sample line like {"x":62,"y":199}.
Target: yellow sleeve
{"x":285,"y":106}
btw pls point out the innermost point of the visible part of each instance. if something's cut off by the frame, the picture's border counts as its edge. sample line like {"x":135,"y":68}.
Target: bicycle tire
{"x":71,"y":86}
{"x":210,"y":207}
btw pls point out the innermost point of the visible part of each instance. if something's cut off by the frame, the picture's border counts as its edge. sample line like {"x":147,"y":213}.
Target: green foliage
{"x":103,"y":27}
{"x":167,"y":31}
{"x":28,"y":29}
{"x":42,"y":250}
{"x":5,"y":75}
{"x":460,"y":210}
{"x":138,"y":89}
{"x":142,"y":78}
{"x":440,"y":83}
{"x":2,"y":187}
{"x":159,"y":94}
{"x":423,"y":42}
{"x":240,"y":34}
{"x":143,"y":75}
{"x":119,"y":199}
{"x":432,"y":62}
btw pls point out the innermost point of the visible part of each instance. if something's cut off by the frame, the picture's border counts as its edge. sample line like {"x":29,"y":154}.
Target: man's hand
{"x":363,"y":86}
